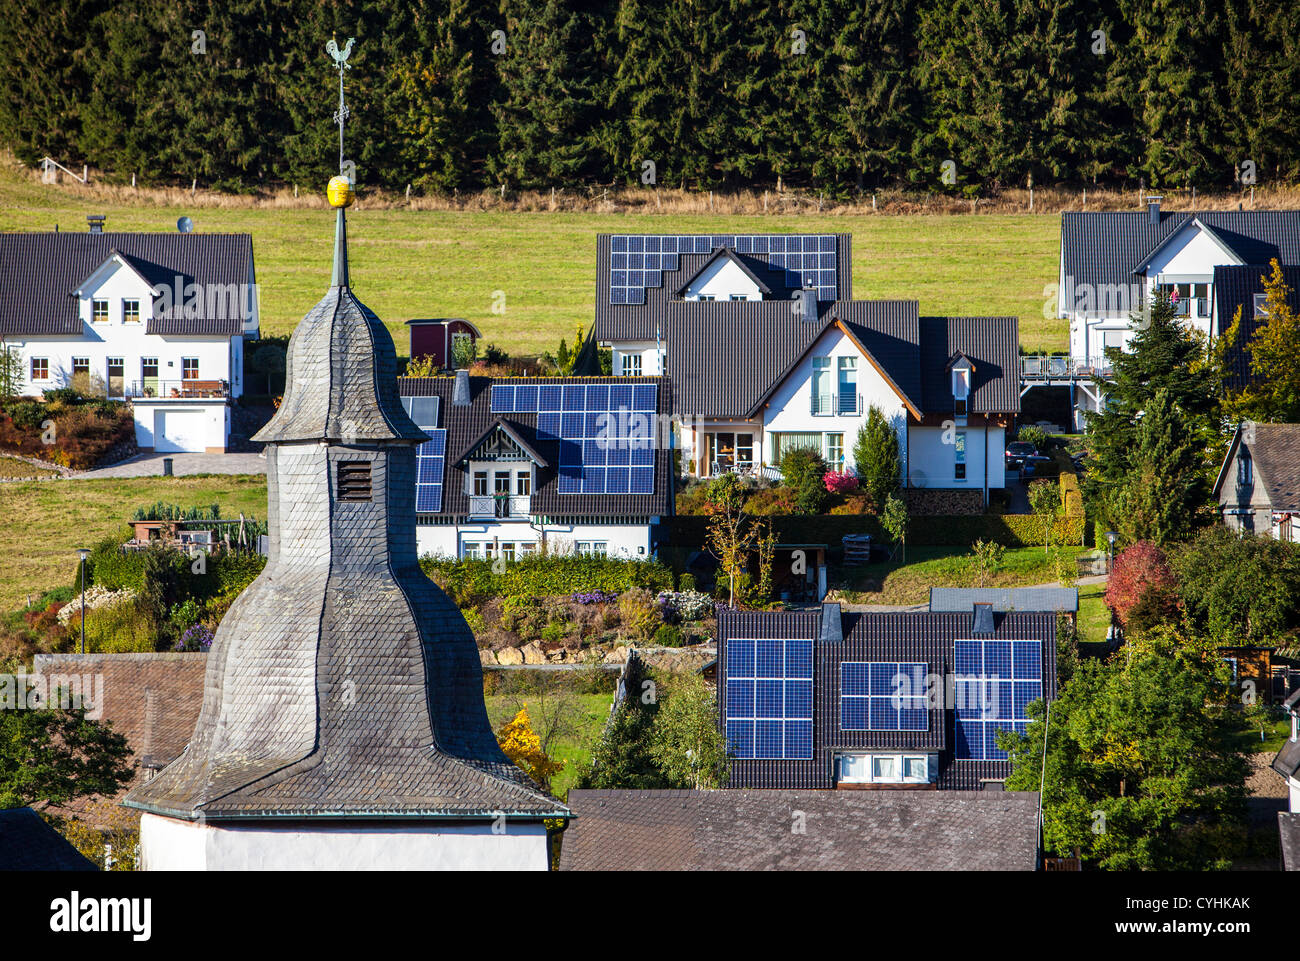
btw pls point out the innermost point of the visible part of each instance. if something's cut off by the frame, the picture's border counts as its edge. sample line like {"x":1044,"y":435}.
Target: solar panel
{"x":430,"y":458}
{"x":769,"y":698}
{"x":638,"y":261}
{"x":995,"y":682}
{"x":883,"y":696}
{"x":605,"y":432}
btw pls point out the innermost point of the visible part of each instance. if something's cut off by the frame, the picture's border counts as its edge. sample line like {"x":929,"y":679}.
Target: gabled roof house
{"x":157,"y":319}
{"x":1258,"y":485}
{"x":1242,"y":287}
{"x":521,"y":464}
{"x":767,"y":351}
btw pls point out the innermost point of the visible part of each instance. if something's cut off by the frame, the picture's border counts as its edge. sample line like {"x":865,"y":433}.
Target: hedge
{"x":111,"y":567}
{"x":936,"y":530}
{"x":470,"y":581}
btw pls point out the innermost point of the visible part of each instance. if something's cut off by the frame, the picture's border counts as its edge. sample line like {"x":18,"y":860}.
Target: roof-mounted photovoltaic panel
{"x":606,"y":433}
{"x":769,"y":698}
{"x":430,"y":461}
{"x":639,"y":261}
{"x":995,"y":682}
{"x":883,"y":696}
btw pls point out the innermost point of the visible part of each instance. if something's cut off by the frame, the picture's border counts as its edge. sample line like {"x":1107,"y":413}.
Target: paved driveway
{"x":151,"y":465}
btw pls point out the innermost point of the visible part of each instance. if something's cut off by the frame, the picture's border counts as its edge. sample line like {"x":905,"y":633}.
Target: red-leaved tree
{"x":1140,"y":568}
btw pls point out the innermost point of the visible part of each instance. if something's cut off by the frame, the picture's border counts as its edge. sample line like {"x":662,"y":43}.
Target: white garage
{"x":181,"y":427}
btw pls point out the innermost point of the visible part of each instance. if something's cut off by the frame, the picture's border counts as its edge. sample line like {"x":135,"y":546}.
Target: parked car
{"x":1023,"y":456}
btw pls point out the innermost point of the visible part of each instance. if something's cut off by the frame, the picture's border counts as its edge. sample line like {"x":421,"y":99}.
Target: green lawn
{"x":927,"y":567}
{"x":45,"y":522}
{"x":1094,"y":615}
{"x":409,"y":264}
{"x":13,"y":467}
{"x":574,"y":751}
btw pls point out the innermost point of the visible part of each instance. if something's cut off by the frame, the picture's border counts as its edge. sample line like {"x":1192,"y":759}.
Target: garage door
{"x":180,"y":430}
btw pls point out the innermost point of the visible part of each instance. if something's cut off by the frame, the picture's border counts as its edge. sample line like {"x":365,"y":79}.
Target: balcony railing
{"x":1049,"y":368}
{"x":499,"y":505}
{"x":844,"y":403}
{"x":152,"y":387}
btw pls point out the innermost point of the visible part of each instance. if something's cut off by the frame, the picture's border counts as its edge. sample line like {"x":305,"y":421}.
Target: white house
{"x":156,"y":320}
{"x":1112,"y":263}
{"x":563,"y":464}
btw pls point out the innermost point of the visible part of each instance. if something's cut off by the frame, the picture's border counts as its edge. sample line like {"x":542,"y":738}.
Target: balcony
{"x":1053,"y":369}
{"x":152,"y":388}
{"x":844,"y":404}
{"x":500,"y":505}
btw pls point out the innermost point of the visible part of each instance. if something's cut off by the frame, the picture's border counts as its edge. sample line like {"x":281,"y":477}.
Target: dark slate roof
{"x":40,"y":271}
{"x":1287,"y":761}
{"x":737,"y":830}
{"x":992,"y":344}
{"x":1275,"y":454}
{"x":962,"y":599}
{"x":467,"y":425}
{"x":1288,"y":825}
{"x":644,"y":322}
{"x":1104,"y":248}
{"x":1236,"y":287}
{"x":27,"y":843}
{"x":341,"y":377}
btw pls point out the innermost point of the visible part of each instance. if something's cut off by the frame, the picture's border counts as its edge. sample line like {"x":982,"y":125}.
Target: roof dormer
{"x":725,"y":276}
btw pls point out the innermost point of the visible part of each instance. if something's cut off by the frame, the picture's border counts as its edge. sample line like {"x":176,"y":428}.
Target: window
{"x":707,"y":297}
{"x":130,"y":311}
{"x":600,"y":548}
{"x":959,"y":456}
{"x":189,"y":368}
{"x":507,"y":549}
{"x":914,"y":769}
{"x":81,"y":366}
{"x":631,"y":365}
{"x":528,"y":547}
{"x":354,"y":481}
{"x":822,"y":402}
{"x":726,"y":450}
{"x":99,"y":311}
{"x":1261,"y":305}
{"x":882,"y":768}
{"x":524,"y":483}
{"x":472,"y":549}
{"x":782,"y":443}
{"x":480,"y":483}
{"x":835,"y":450}
{"x":1244,"y":473}
{"x":848,"y":385}
{"x":960,"y":390}
{"x":40,"y":368}
{"x":738,"y":297}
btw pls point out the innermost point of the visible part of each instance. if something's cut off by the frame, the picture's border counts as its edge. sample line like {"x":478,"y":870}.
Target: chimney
{"x":983,"y":620}
{"x":460,"y":391}
{"x":832,"y":628}
{"x":805,"y":304}
{"x":1153,"y":211}
{"x":96,"y":222}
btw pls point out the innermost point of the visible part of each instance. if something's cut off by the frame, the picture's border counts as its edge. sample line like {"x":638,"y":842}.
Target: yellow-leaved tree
{"x":523,"y":746}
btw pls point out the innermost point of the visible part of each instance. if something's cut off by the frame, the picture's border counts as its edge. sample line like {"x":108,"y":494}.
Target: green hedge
{"x":938,"y":530}
{"x":470,"y":581}
{"x":113,"y":568}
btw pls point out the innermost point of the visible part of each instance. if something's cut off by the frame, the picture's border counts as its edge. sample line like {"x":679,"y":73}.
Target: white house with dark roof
{"x":159,"y":320}
{"x":523,"y":464}
{"x":768,"y":351}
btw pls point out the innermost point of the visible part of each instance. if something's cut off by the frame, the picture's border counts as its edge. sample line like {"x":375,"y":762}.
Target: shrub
{"x":556,"y":630}
{"x":638,"y":614}
{"x":197,"y":638}
{"x":120,"y":629}
{"x":1033,"y":435}
{"x":595,"y":597}
{"x":474,"y":618}
{"x":840,"y":482}
{"x":185,"y":614}
{"x":669,"y":635}
{"x":773,"y":501}
{"x":877,"y":458}
{"x":800,"y":464}
{"x":1137,"y":569}
{"x":686,"y":582}
{"x":685,"y":606}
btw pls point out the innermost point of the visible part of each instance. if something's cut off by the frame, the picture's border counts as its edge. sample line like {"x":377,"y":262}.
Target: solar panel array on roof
{"x":638,"y":261}
{"x":883,"y":696}
{"x":995,"y":682}
{"x":605,"y":432}
{"x":770,"y":698}
{"x":430,"y":456}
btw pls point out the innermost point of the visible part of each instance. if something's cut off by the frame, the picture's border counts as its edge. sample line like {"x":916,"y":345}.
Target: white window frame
{"x":959,"y":456}
{"x":98,"y":311}
{"x":184,"y":375}
{"x":129,"y":320}
{"x":630,"y":365}
{"x":45,"y":365}
{"x":898,"y":759}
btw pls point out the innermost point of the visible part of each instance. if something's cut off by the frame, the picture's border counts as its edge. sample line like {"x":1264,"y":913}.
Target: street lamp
{"x":84,"y":553}
{"x":1110,"y":553}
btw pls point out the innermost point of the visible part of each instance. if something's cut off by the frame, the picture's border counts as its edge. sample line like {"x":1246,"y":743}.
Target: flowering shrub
{"x":684,"y":606}
{"x":840,"y":481}
{"x":595,"y":597}
{"x":197,"y":638}
{"x":96,"y":597}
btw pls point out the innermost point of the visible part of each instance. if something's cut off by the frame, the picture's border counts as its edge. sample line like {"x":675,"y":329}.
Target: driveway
{"x":151,"y":465}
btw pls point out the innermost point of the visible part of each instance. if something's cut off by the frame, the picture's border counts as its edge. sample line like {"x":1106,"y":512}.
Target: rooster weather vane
{"x":341,"y":60}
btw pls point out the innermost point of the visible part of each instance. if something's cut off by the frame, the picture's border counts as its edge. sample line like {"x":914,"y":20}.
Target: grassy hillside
{"x":435,"y":263}
{"x":45,"y":522}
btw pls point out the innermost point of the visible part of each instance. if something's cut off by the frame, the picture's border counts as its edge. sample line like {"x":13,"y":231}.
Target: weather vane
{"x":341,"y":60}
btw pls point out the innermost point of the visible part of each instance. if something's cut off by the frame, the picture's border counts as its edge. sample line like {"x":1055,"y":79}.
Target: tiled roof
{"x":962,"y":599}
{"x":738,"y":830}
{"x":991,"y":343}
{"x":1236,"y":287}
{"x":1288,"y":825}
{"x":27,"y":843}
{"x":638,"y":322}
{"x":466,"y":426}
{"x":1275,"y":452}
{"x":1104,"y":248}
{"x":39,"y":272}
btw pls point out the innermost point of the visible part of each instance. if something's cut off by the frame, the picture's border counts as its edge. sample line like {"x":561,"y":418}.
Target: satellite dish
{"x":185,"y":225}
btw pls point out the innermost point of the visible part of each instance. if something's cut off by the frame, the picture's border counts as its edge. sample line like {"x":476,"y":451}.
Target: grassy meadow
{"x":410,"y":263}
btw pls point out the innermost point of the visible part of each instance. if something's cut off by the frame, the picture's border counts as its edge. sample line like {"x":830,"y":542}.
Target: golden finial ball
{"x":340,"y":192}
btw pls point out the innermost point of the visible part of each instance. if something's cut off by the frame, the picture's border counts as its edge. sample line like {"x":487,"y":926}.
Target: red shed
{"x":433,"y":337}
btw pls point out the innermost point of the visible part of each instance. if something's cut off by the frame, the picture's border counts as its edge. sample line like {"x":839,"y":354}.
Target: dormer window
{"x":960,"y":389}
{"x":130,"y":311}
{"x":99,"y":311}
{"x":1245,"y":476}
{"x":1261,"y":306}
